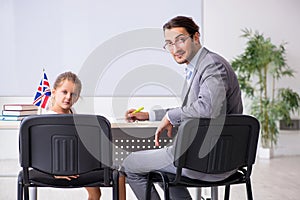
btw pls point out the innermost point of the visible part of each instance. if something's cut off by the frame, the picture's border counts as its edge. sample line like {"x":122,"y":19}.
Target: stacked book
{"x":15,"y":112}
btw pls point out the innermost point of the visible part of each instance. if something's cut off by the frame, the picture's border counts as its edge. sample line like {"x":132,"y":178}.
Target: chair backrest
{"x":65,"y":144}
{"x":217,"y":145}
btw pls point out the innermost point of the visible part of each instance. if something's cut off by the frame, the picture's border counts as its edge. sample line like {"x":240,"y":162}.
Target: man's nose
{"x":175,"y":49}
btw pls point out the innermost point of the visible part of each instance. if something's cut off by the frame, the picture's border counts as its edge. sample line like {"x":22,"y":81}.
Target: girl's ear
{"x":75,"y":100}
{"x":53,"y":92}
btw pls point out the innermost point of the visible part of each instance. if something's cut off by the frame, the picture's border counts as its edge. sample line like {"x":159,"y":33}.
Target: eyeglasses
{"x":179,"y":42}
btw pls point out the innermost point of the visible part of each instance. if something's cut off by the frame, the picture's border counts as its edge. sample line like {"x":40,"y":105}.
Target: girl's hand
{"x":69,"y":178}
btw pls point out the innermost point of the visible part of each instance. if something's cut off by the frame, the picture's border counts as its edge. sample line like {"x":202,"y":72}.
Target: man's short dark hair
{"x":182,"y":21}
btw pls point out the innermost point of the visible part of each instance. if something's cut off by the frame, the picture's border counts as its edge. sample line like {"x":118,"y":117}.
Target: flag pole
{"x":39,"y":110}
{"x":40,"y":106}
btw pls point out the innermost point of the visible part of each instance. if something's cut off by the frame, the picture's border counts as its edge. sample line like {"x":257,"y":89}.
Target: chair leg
{"x":20,"y":186}
{"x":198,"y":193}
{"x":165,"y":182}
{"x":166,"y":190}
{"x":149,"y":186}
{"x":20,"y":190}
{"x":249,"y":189}
{"x":214,"y":193}
{"x":115,"y":185}
{"x":26,"y":192}
{"x":227,"y":192}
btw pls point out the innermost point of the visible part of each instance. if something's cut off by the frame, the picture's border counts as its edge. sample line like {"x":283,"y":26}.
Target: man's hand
{"x":140,"y":116}
{"x":164,"y":125}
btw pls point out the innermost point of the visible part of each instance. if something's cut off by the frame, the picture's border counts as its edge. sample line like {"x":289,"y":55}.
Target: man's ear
{"x":197,"y":37}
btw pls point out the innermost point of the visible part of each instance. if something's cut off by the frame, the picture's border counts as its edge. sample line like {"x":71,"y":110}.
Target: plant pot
{"x":265,"y":153}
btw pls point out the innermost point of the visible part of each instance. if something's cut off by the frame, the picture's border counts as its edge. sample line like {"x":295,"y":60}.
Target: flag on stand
{"x":43,"y":92}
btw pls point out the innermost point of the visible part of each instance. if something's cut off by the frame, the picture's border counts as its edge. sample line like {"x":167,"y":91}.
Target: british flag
{"x":43,"y":93}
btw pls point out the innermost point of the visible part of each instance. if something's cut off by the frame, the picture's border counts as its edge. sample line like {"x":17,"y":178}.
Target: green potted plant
{"x":259,"y":68}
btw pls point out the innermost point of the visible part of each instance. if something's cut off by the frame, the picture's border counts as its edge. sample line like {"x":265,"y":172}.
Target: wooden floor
{"x":274,"y":179}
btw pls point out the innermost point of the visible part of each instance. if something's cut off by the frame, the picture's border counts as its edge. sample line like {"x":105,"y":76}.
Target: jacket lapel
{"x":187,"y":87}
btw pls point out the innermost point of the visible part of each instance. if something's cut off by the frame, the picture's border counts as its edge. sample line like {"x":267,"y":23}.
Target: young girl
{"x":65,"y":93}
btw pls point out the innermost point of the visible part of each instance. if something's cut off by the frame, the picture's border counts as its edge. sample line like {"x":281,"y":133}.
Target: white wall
{"x":277,"y":19}
{"x":61,"y":35}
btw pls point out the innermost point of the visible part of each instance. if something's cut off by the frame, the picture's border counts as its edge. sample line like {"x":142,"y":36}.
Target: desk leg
{"x":33,"y":193}
{"x":214,"y":193}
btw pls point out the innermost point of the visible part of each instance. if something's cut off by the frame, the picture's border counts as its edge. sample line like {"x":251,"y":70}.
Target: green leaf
{"x":260,"y":61}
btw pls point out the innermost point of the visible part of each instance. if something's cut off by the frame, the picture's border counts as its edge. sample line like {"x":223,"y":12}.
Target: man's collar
{"x":193,"y":62}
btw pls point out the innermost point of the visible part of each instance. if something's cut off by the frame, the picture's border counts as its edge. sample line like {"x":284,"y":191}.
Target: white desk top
{"x":123,"y":124}
{"x":9,"y":124}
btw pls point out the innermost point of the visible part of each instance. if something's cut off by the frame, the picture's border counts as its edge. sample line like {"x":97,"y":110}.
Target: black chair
{"x":66,"y":145}
{"x":212,"y":146}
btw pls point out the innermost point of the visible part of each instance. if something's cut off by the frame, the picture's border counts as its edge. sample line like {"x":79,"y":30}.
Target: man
{"x":212,"y":90}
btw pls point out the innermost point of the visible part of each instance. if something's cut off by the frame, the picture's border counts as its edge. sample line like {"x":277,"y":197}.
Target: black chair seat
{"x":91,"y":179}
{"x":237,"y":177}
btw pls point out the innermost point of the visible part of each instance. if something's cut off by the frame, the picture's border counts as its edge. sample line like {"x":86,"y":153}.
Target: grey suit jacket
{"x":214,"y":90}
